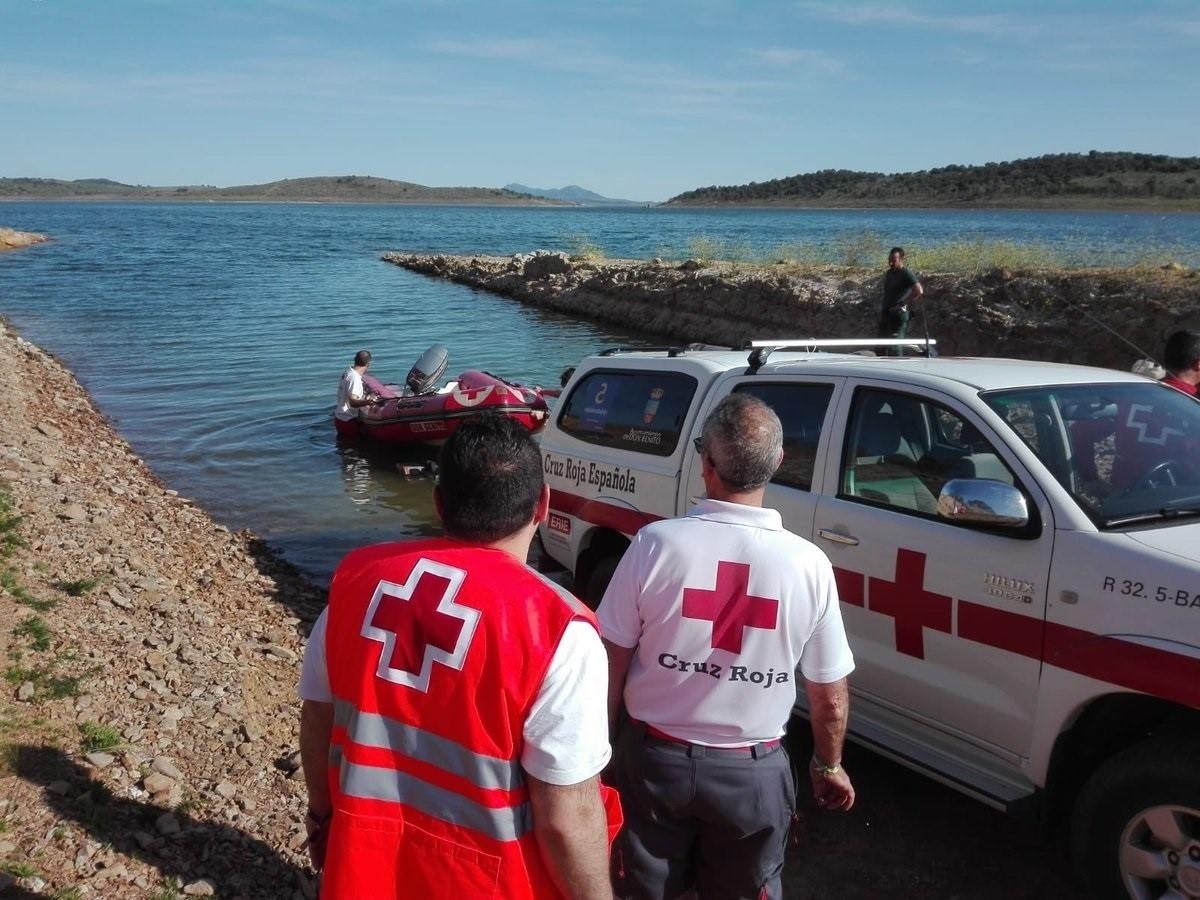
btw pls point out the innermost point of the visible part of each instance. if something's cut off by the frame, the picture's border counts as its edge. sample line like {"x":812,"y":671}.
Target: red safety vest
{"x":436,"y":651}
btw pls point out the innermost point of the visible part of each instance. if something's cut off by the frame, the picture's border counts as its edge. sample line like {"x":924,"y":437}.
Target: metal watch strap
{"x":823,"y":770}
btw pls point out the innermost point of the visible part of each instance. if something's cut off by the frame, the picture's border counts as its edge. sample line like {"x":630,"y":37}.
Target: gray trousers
{"x":699,"y":819}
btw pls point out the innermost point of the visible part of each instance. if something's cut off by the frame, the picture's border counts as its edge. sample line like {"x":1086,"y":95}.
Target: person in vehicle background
{"x":900,"y":288}
{"x":1181,"y":358}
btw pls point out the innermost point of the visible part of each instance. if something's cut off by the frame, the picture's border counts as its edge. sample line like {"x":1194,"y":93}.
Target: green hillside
{"x":331,"y":189}
{"x":1104,"y":180}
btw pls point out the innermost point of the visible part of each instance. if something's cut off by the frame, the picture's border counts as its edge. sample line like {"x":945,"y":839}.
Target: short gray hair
{"x":743,"y":438}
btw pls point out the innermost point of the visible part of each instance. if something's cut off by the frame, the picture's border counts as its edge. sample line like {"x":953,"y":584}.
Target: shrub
{"x":96,"y":737}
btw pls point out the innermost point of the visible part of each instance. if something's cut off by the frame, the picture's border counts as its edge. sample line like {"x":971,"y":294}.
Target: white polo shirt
{"x":723,"y":605}
{"x":351,"y":385}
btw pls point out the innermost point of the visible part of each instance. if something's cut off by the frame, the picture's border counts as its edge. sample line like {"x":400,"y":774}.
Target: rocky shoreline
{"x":1047,"y":315}
{"x":149,"y":721}
{"x":11,"y":239}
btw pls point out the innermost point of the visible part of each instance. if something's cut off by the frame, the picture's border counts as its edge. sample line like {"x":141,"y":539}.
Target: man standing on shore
{"x":1181,"y":359}
{"x":705,"y":621}
{"x":900,"y":288}
{"x":352,"y":395}
{"x":451,"y":730}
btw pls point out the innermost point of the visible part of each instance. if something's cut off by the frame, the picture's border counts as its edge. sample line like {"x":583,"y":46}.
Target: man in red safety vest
{"x":450,"y":730}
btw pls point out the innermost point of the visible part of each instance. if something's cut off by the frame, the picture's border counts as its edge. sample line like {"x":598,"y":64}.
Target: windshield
{"x":1126,"y":452}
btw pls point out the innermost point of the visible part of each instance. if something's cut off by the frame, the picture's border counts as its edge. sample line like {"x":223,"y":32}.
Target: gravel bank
{"x":148,"y":719}
{"x":1045,"y":315}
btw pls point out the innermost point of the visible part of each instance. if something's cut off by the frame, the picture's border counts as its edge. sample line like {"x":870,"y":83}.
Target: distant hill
{"x":330,"y":189}
{"x":1074,"y":180}
{"x":572,"y":193}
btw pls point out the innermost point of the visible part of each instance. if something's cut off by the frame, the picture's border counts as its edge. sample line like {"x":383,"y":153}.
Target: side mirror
{"x":983,"y":501}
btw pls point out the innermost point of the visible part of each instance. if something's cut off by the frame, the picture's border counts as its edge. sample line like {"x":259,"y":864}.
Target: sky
{"x":639,"y":100}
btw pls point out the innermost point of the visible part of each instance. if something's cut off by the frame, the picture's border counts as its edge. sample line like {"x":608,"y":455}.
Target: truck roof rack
{"x":670,"y":351}
{"x":760,"y":351}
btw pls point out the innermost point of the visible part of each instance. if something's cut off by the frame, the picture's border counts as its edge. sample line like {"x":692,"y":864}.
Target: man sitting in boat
{"x":352,"y":395}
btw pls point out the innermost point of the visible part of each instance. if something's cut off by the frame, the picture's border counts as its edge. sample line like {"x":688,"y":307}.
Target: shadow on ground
{"x":237,"y":863}
{"x":908,"y":836}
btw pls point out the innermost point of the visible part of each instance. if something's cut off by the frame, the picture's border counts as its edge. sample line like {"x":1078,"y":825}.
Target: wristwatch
{"x":823,"y":770}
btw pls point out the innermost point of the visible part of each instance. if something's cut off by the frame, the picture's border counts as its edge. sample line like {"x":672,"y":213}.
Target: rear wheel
{"x":597,"y":581}
{"x":1136,"y":829}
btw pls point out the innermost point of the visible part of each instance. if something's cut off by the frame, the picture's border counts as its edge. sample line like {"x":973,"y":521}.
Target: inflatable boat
{"x":417,"y":412}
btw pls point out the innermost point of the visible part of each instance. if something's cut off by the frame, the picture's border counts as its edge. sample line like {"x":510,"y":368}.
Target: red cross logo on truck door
{"x":419,"y":624}
{"x":907,"y":601}
{"x":730,"y":607}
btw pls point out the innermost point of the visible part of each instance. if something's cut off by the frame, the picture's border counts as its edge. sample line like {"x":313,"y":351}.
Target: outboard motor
{"x":428,"y":370}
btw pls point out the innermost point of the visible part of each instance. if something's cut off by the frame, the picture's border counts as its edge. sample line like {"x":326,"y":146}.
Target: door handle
{"x":837,"y":537}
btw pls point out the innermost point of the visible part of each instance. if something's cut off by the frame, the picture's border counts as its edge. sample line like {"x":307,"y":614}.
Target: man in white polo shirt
{"x":709,"y":621}
{"x":352,"y":395}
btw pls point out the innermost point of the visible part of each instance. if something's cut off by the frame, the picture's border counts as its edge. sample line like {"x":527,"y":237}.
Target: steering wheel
{"x":1170,"y":469}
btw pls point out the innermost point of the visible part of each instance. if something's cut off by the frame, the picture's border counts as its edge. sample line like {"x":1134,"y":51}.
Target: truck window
{"x":1126,"y":452}
{"x":902,"y":450}
{"x":801,"y":410}
{"x":638,"y":411}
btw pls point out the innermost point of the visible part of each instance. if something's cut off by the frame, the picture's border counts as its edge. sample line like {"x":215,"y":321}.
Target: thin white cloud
{"x":605,"y":68}
{"x":986,"y":24}
{"x":791,"y":57}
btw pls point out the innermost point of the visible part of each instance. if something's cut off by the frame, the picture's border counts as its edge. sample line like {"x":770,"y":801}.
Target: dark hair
{"x":743,"y":438}
{"x":362,"y":357}
{"x":899,"y":250}
{"x":489,"y":479}
{"x":1182,"y":350}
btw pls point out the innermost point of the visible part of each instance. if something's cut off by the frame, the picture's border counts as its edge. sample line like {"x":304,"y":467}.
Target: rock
{"x":690,"y":265}
{"x":100,"y":760}
{"x":50,"y":431}
{"x":33,"y":884}
{"x":252,"y":730}
{"x":61,"y":788}
{"x":7,"y":847}
{"x":157,"y":781}
{"x":226,"y":789}
{"x":164,"y":766}
{"x":542,"y":264}
{"x":73,"y":512}
{"x":201,"y":887}
{"x":289,"y":763}
{"x":281,"y":652}
{"x":167,"y":824}
{"x":25,"y":692}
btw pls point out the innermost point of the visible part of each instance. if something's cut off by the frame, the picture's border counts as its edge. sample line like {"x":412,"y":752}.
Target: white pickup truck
{"x":1017,"y":551}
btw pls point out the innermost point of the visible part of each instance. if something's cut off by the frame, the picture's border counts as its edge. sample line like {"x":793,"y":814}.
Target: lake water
{"x":213,"y":335}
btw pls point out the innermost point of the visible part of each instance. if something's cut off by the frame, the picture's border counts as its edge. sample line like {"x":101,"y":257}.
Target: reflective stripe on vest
{"x":373,"y":730}
{"x":506,"y":823}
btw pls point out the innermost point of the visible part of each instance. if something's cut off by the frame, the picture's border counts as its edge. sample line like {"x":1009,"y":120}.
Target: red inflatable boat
{"x":412,"y":415}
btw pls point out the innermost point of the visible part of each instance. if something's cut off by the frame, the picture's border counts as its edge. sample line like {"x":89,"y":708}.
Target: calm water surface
{"x":214,"y":334}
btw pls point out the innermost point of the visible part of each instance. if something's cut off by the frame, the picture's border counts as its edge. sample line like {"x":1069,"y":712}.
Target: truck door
{"x":945,"y":619}
{"x":804,"y":406}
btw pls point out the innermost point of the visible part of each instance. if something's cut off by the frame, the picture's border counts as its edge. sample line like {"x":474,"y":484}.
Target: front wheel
{"x":1136,"y":828}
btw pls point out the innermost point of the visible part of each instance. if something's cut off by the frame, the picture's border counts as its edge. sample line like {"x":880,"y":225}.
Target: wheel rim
{"x":1160,"y":854}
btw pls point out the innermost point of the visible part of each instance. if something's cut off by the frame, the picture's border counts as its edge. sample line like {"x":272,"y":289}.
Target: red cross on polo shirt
{"x":907,"y":601}
{"x":731,"y":607}
{"x":419,"y":624}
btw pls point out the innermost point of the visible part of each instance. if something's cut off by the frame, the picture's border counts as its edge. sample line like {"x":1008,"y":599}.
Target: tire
{"x":597,"y":582}
{"x":1136,"y":825}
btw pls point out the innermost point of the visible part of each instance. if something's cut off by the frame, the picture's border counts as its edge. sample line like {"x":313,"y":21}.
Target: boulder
{"x":543,"y":264}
